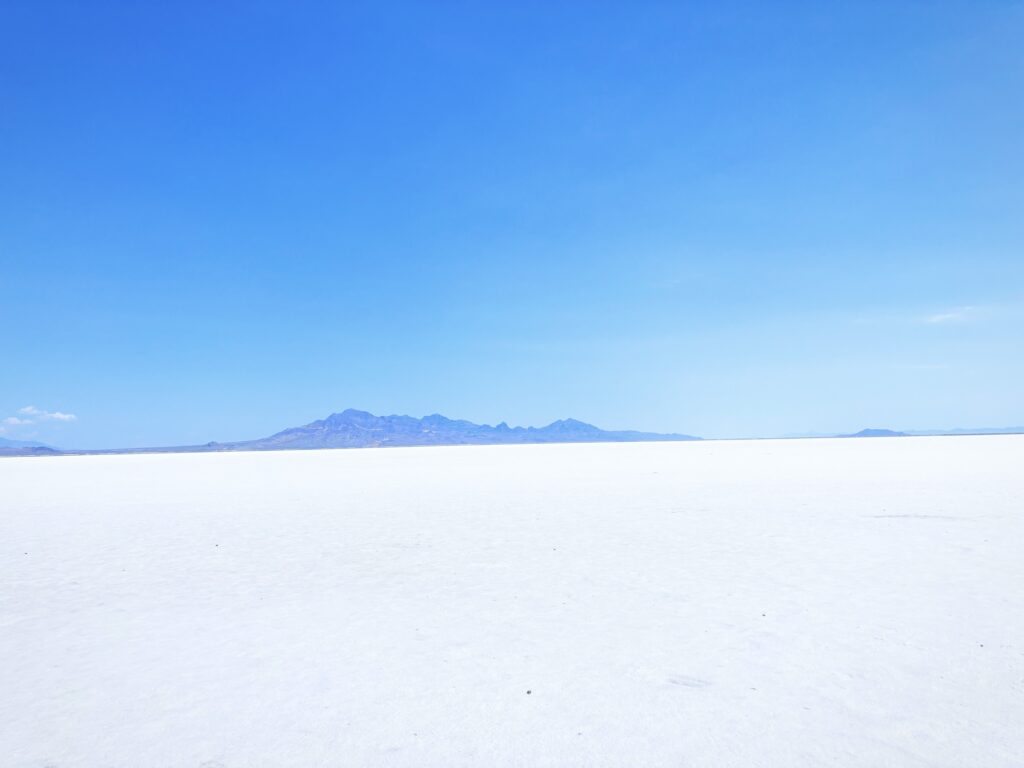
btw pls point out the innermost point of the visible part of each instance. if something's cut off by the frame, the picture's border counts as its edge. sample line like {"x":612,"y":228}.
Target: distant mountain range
{"x":359,"y":429}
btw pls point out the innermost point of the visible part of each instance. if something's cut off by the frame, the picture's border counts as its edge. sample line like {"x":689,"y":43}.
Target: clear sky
{"x":221,"y":219}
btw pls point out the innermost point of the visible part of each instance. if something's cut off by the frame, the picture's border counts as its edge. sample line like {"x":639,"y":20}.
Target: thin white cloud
{"x":24,"y":423}
{"x":955,"y":315}
{"x":922,"y":366}
{"x":31,"y":410}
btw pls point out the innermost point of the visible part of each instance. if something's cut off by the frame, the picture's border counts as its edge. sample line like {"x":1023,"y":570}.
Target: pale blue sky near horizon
{"x":218,"y":220}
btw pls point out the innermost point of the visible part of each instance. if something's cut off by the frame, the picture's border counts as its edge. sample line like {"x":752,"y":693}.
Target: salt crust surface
{"x":737,"y":603}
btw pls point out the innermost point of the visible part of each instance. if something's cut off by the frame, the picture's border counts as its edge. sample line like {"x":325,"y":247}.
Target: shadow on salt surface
{"x":689,"y":682}
{"x":659,"y":677}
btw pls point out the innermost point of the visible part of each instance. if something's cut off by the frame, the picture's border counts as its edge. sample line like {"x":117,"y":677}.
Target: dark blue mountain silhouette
{"x":877,"y":433}
{"x":359,"y":429}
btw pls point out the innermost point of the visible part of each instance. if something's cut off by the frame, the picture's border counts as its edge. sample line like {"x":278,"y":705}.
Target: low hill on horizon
{"x":876,"y":433}
{"x":6,"y":442}
{"x":9,"y":447}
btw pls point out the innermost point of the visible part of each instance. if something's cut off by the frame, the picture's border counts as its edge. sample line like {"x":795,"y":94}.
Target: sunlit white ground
{"x":762,"y":603}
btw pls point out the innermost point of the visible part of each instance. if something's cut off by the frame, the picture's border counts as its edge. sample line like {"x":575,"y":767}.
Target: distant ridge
{"x":937,"y":432}
{"x":970,"y":431}
{"x":28,"y":450}
{"x":359,"y":429}
{"x":876,"y":433}
{"x":25,"y":448}
{"x":8,"y":443}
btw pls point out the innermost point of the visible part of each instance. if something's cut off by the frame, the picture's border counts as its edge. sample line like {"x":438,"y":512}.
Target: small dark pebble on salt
{"x":529,"y":692}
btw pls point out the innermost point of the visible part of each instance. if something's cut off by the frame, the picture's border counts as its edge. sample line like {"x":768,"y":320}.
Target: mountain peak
{"x":354,"y":413}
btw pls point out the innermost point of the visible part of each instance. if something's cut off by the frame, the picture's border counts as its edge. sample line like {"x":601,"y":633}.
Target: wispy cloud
{"x":954,"y":315}
{"x":921,"y":366}
{"x":41,"y":415}
{"x":14,"y":421}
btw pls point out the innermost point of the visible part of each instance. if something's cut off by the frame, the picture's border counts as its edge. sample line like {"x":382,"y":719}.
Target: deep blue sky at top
{"x":221,"y":219}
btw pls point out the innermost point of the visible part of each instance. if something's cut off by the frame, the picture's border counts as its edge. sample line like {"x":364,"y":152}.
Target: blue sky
{"x":729,"y":219}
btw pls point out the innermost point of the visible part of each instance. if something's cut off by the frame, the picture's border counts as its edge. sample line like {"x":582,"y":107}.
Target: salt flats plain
{"x":748,"y":603}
